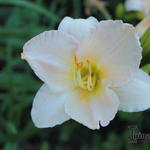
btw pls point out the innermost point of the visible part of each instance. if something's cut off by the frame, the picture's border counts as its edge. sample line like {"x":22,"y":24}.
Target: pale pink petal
{"x":135,"y":95}
{"x":50,"y":55}
{"x":115,"y":46}
{"x":135,"y":5}
{"x":48,"y":108}
{"x":80,"y":110}
{"x":105,"y":106}
{"x":138,"y":5}
{"x":79,"y":28}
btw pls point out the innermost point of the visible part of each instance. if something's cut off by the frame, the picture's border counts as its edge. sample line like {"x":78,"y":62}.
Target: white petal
{"x":79,"y":28}
{"x":80,"y":110}
{"x":116,"y":47}
{"x":48,"y":108}
{"x":105,"y":106}
{"x":138,"y":5}
{"x":135,"y":95}
{"x":134,"y":5}
{"x":49,"y":55}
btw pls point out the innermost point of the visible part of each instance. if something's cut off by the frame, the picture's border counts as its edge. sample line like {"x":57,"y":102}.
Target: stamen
{"x":84,"y":75}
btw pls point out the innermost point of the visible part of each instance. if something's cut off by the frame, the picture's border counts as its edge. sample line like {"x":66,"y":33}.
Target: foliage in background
{"x":20,"y":20}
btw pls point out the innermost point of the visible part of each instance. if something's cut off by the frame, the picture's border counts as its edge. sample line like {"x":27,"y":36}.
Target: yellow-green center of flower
{"x":85,"y":74}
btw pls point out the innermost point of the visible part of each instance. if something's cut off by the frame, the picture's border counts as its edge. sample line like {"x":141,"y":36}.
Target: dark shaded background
{"x":20,"y":20}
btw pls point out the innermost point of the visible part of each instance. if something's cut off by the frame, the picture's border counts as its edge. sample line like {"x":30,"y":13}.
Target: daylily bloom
{"x":90,"y":70}
{"x":138,"y":5}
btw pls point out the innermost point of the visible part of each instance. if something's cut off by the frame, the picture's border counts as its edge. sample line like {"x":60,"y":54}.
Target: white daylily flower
{"x":90,"y":70}
{"x":138,"y":5}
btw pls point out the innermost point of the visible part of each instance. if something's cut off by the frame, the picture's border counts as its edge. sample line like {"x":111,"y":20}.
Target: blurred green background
{"x":20,"y":20}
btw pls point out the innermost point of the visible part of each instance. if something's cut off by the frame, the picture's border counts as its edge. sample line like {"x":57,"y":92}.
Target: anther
{"x":86,"y":81}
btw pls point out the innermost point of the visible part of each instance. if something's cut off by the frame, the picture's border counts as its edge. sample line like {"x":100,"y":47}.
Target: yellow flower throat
{"x":85,"y":74}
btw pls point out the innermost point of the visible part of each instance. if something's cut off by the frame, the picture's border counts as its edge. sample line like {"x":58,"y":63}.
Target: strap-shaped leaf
{"x":145,"y":42}
{"x":146,"y":68}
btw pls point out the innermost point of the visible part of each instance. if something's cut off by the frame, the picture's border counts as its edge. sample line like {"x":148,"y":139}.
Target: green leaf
{"x":145,"y":42}
{"x":120,"y":11}
{"x":10,"y":146}
{"x":11,"y":128}
{"x":31,"y":6}
{"x":45,"y":146}
{"x":146,"y":68}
